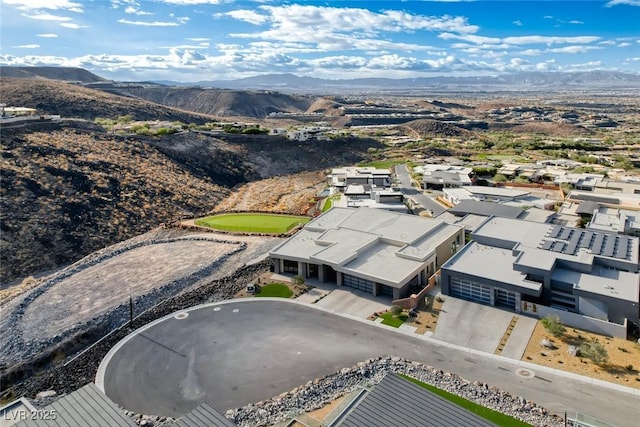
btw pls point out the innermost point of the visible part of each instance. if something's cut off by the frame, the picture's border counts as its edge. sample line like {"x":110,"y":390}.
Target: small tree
{"x":595,"y":352}
{"x":298,"y":280}
{"x":500,"y":178}
{"x":552,"y":324}
{"x":396,"y":309}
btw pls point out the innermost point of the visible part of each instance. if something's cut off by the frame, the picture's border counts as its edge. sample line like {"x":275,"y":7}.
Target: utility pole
{"x":130,"y":310}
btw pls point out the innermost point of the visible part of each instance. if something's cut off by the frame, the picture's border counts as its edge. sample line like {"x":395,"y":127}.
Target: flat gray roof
{"x":387,"y":247}
{"x":603,"y":281}
{"x":491,"y":263}
{"x":396,"y":401}
{"x":477,"y":207}
{"x":495,"y":191}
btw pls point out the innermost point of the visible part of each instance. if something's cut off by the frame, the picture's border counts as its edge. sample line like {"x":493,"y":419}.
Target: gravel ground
{"x":315,"y":394}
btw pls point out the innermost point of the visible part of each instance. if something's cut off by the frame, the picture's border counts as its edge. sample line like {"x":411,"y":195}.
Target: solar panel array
{"x":568,"y":241}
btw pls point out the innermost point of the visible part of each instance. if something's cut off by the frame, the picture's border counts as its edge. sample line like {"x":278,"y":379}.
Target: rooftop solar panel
{"x":547,"y":244}
{"x":585,"y":242}
{"x":558,"y":246}
{"x":609,"y":246}
{"x":555,"y":231}
{"x":565,"y":233}
{"x":622,"y":250}
{"x":596,"y":248}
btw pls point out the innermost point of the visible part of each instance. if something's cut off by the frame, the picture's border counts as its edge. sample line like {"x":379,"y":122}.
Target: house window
{"x":290,"y":266}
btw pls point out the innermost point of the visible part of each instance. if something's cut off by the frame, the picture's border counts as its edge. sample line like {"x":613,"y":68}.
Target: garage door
{"x":506,"y":298}
{"x":471,"y":290}
{"x":358,"y":283}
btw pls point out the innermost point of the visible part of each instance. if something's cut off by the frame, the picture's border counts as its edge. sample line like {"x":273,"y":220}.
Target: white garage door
{"x":471,"y":290}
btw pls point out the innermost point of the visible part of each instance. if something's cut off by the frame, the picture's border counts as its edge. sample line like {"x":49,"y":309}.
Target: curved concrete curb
{"x":99,"y":381}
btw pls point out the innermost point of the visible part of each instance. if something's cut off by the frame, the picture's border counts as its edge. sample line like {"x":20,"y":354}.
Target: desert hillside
{"x":53,"y":73}
{"x":68,"y":193}
{"x":72,"y":190}
{"x":68,"y":100}
{"x":221,"y":102}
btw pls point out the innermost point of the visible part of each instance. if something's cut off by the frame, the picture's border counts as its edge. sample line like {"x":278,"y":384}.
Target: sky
{"x":198,"y":40}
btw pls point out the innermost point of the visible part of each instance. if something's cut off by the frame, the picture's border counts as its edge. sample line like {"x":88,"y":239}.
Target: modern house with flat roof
{"x":439,"y":176}
{"x":521,"y":264}
{"x":373,"y":196}
{"x":611,"y":220}
{"x":377,"y":251}
{"x":341,"y":178}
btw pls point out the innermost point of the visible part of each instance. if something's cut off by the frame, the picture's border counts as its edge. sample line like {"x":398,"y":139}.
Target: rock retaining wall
{"x":315,"y":394}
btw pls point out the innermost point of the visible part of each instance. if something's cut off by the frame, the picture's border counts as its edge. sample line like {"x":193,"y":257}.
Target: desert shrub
{"x":553,"y":325}
{"x":298,"y":280}
{"x":396,"y":310}
{"x":595,"y":352}
{"x":500,"y":178}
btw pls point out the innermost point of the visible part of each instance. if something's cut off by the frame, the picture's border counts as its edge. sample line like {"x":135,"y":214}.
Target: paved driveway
{"x":482,"y":327}
{"x":353,"y":302}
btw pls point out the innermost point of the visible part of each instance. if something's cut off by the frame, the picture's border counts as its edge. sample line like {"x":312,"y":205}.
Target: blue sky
{"x":193,"y":40}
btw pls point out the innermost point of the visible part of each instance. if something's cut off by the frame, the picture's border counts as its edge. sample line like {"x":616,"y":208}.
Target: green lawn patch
{"x":256,"y":223}
{"x":278,"y":290}
{"x":328,"y":203}
{"x":486,"y":413}
{"x":390,"y":320}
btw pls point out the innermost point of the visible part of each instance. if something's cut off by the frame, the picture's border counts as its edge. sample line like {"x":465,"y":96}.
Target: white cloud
{"x":191,"y":2}
{"x":47,"y":17}
{"x":576,"y":22}
{"x":26,"y":46}
{"x":293,"y":21}
{"x":623,"y":2}
{"x":631,"y":60}
{"x":47,"y":35}
{"x":573,"y":49}
{"x":198,"y":39}
{"x":45,"y":4}
{"x":72,"y":25}
{"x":250,"y":16}
{"x":149,"y":23}
{"x":517,"y":23}
{"x":624,"y":44}
{"x":133,"y":10}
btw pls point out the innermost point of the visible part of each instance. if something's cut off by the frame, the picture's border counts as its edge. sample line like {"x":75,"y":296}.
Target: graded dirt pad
{"x":622,"y":354}
{"x":74,"y":299}
{"x":290,"y":194}
{"x":95,"y":289}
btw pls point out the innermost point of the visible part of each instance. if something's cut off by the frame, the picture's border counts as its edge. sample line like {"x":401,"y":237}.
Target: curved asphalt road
{"x":243,"y":351}
{"x":412,"y":192}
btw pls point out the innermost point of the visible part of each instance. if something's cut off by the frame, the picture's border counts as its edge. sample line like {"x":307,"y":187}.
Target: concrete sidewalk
{"x":519,"y":339}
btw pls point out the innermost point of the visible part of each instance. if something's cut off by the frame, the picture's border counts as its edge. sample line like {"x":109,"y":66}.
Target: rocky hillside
{"x":68,"y":100}
{"x":221,"y":102}
{"x":53,"y":73}
{"x":432,"y":128}
{"x":69,"y":191}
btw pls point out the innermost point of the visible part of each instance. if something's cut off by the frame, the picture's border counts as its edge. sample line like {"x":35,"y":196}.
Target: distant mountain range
{"x":533,"y":81}
{"x":288,"y":83}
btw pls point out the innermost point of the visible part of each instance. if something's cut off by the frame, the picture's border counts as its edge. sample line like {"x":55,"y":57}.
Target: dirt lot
{"x":290,"y":194}
{"x":622,"y":354}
